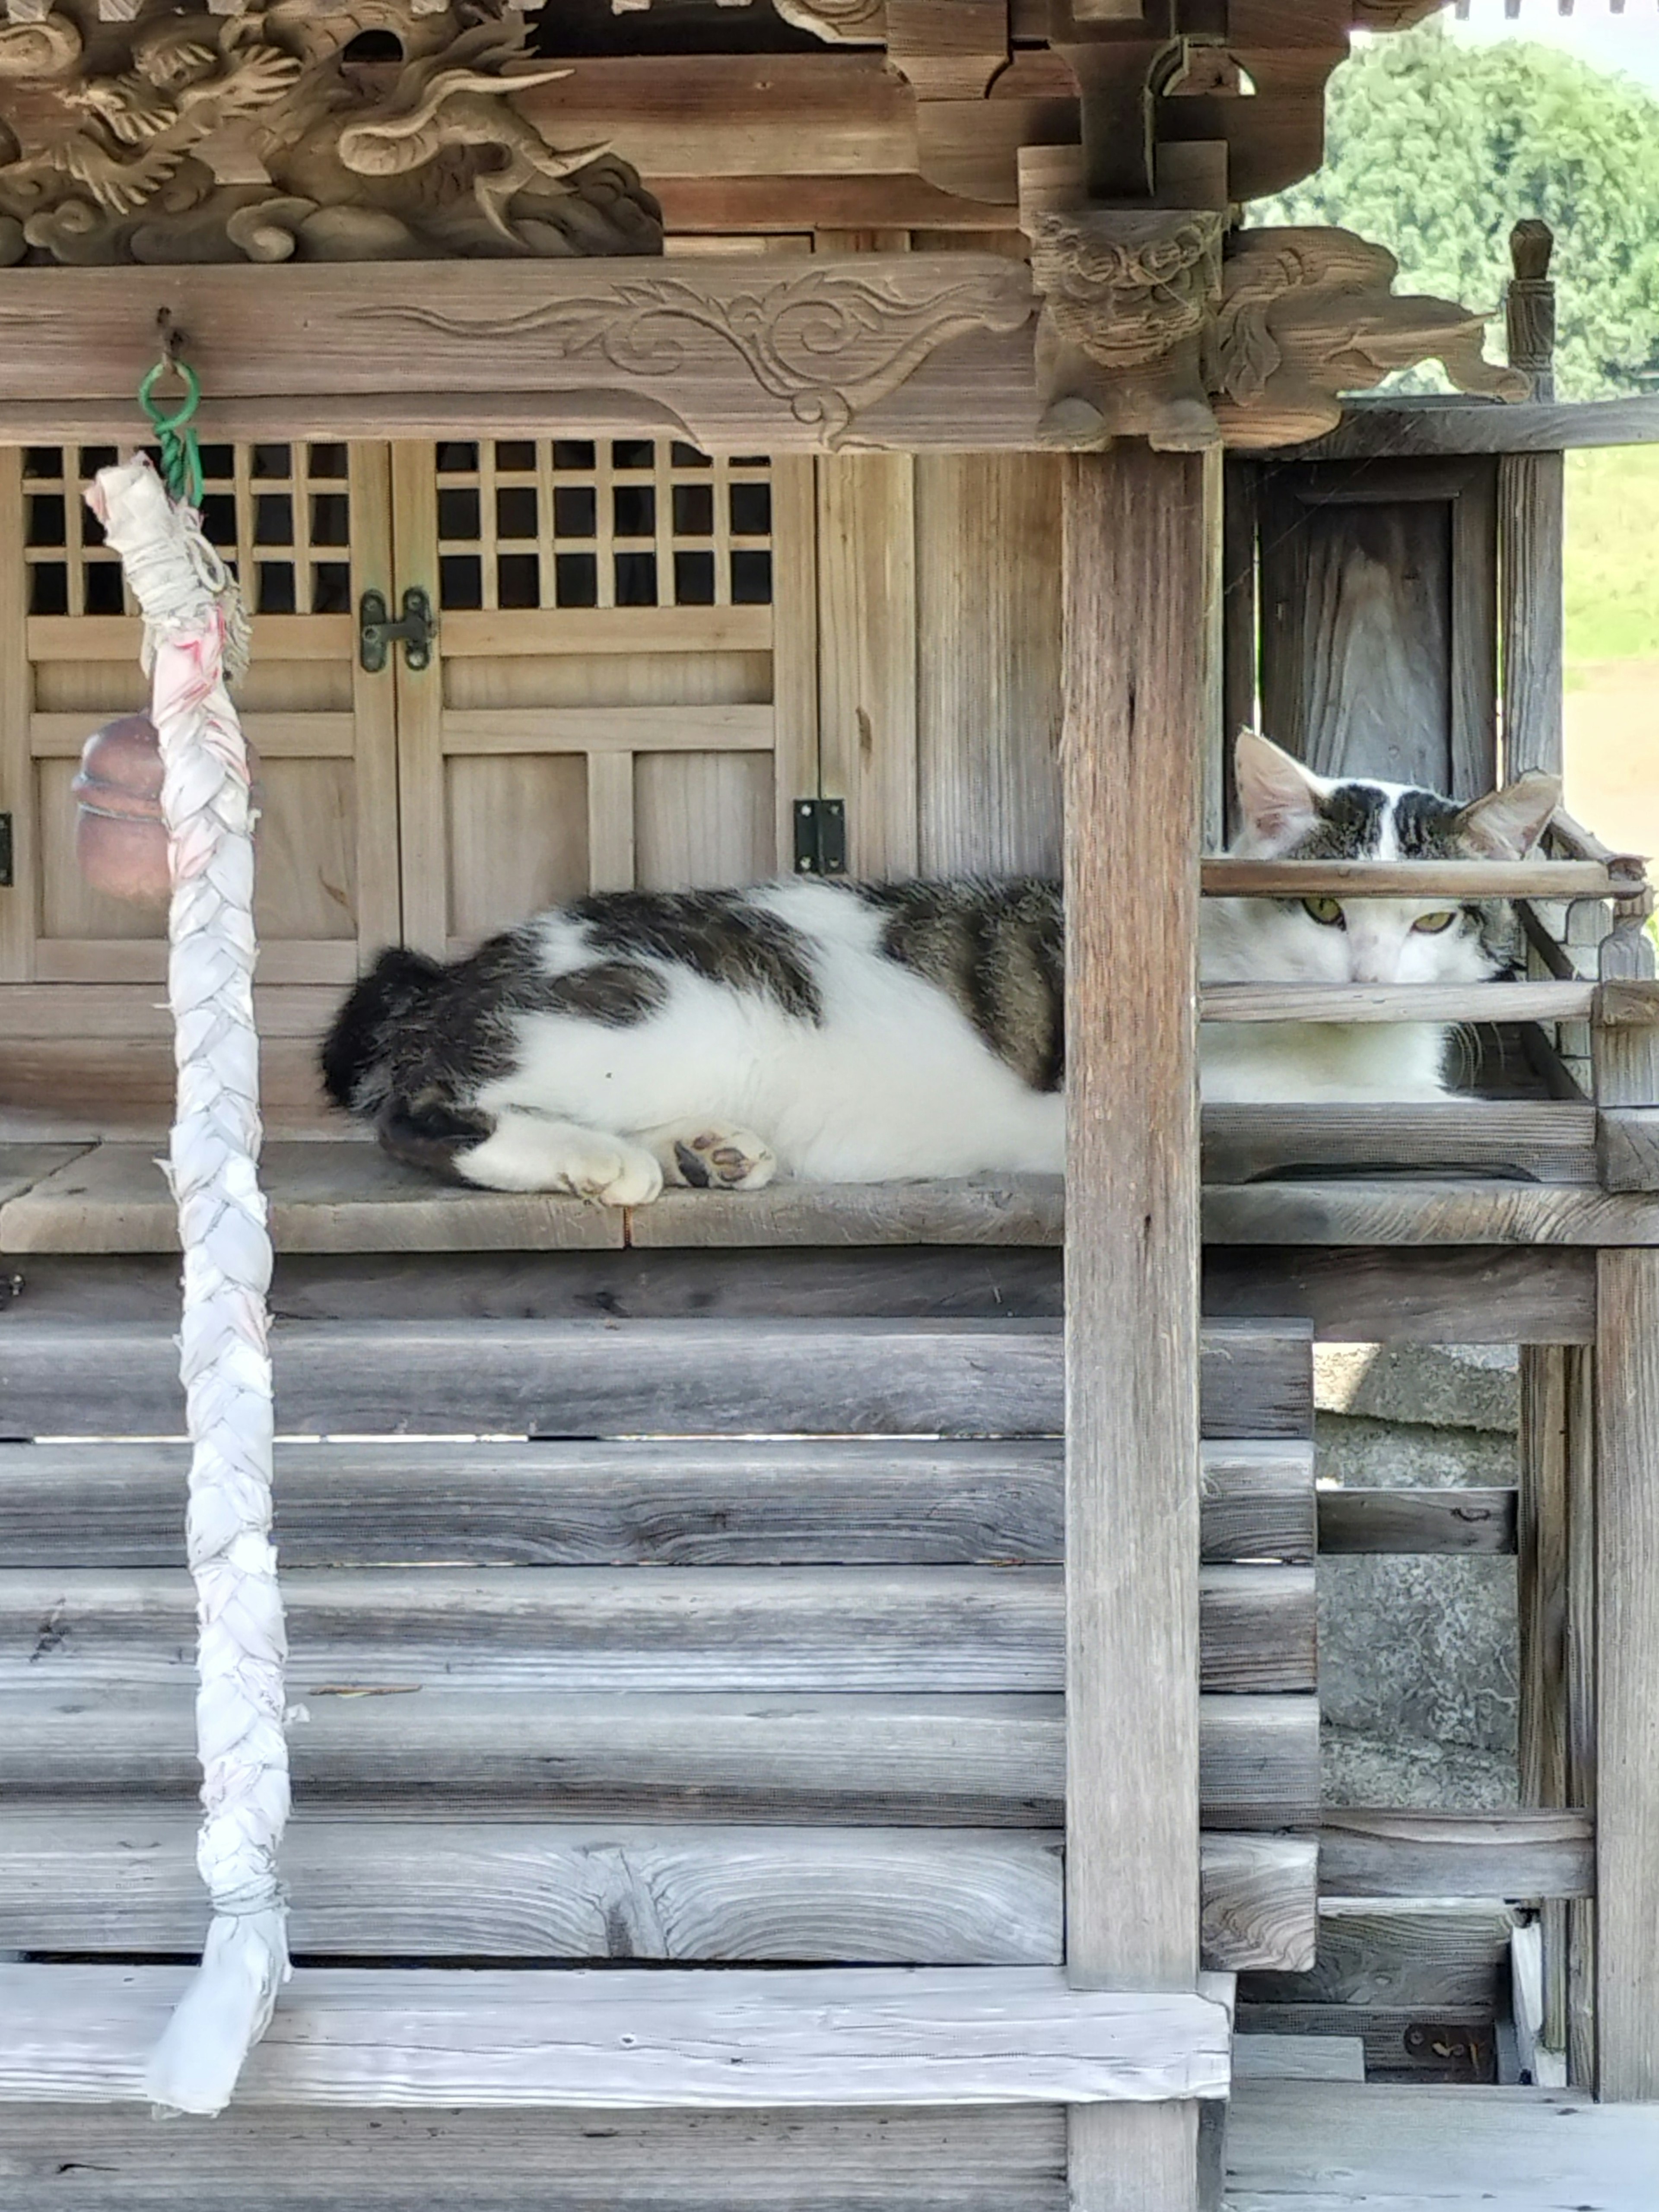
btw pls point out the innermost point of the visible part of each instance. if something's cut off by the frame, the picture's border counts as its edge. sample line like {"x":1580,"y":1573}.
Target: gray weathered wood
{"x":22,"y":1166}
{"x":1399,"y":1002}
{"x":114,"y":2158}
{"x":1552,"y":1142}
{"x":1427,"y":1213}
{"x":1543,"y":1536}
{"x":1401,"y":2043}
{"x":1011,"y":1210}
{"x":588,"y":1378}
{"x":1626,"y":1736}
{"x":602,"y":1631}
{"x":1298,"y":2058}
{"x":882,"y":1761}
{"x":1532,"y":530}
{"x":1411,"y":1294}
{"x":1522,"y":1854}
{"x":1400,"y":1521}
{"x":125,"y":1881}
{"x":1327,"y":2147}
{"x":1627,"y":1147}
{"x":1227,"y":878}
{"x":1377,"y":429}
{"x":815,"y":2037}
{"x":1257,"y":1502}
{"x":1425,"y":1956}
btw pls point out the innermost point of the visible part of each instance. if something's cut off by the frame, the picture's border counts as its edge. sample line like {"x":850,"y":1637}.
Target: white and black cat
{"x":857,"y":1032}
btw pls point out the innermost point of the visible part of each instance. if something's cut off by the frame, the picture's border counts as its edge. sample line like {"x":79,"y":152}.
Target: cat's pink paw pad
{"x":724,"y":1159}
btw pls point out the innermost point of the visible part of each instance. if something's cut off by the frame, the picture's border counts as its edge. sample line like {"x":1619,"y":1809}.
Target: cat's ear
{"x":1506,"y":824}
{"x":1278,"y":798}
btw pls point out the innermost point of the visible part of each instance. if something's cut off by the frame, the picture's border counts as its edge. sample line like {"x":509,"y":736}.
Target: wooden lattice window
{"x":600,"y":522}
{"x":281,"y":514}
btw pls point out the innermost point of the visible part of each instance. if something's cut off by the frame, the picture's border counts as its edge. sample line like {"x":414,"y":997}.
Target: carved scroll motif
{"x":1307,"y":315}
{"x":829,"y":343}
{"x":203,"y":137}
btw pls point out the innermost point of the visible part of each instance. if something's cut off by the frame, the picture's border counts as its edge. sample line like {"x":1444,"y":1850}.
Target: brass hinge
{"x":377,"y":632}
{"x":820,"y":836}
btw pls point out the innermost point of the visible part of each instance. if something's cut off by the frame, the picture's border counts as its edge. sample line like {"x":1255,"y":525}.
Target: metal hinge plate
{"x":377,"y":633}
{"x":820,"y":836}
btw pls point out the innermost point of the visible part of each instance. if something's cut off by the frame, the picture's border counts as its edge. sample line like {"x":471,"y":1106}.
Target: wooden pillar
{"x":1138,"y":527}
{"x":1531,"y":503}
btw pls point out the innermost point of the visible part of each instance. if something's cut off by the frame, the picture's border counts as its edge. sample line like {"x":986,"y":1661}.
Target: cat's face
{"x":1289,"y":813}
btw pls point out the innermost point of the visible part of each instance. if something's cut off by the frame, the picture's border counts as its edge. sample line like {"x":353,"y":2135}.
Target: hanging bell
{"x":120,"y":838}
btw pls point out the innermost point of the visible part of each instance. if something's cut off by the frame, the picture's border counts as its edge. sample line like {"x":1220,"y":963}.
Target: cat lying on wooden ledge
{"x":863,"y":1033}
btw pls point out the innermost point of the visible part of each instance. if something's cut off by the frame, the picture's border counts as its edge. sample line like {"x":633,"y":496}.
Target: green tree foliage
{"x":1435,"y":147}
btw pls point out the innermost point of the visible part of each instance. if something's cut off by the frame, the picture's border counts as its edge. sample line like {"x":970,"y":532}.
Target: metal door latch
{"x":820,"y":837}
{"x":377,"y":632}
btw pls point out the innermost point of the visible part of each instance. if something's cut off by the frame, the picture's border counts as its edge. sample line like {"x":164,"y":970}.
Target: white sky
{"x":1629,"y":42}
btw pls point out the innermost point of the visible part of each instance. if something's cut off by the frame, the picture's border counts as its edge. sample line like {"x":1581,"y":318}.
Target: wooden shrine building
{"x":807,"y":1699}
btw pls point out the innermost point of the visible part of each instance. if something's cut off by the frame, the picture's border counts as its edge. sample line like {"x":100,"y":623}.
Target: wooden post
{"x":1542,"y":1575}
{"x":1530,"y":528}
{"x":1138,"y":527}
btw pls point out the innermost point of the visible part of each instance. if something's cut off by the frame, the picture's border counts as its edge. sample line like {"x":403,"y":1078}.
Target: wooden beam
{"x":1550,"y":1142}
{"x":1626,"y":1667}
{"x":703,"y":2040}
{"x":1452,"y":879}
{"x":1522,"y":1854}
{"x":1134,"y":692}
{"x":1416,"y":1520}
{"x":1411,"y":1002}
{"x":1428,"y":1213}
{"x":1378,"y":429}
{"x":1406,"y":1294}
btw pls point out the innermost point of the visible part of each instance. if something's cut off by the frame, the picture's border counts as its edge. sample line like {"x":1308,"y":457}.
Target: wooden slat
{"x":867,"y":682}
{"x":1330,"y":2146}
{"x":1413,"y":1213}
{"x":1626,"y":1644}
{"x":608,"y":729}
{"x":1429,"y":1955}
{"x":598,"y":1631}
{"x":1553,"y":1142}
{"x":1001,"y":1210}
{"x":19,"y":906}
{"x":113,"y":2158}
{"x":1398,"y":1002}
{"x":1450,"y":879}
{"x":1453,"y":427}
{"x":871,"y":2036}
{"x":373,"y":707}
{"x":840,"y":1502}
{"x":652,"y":1378}
{"x":920,"y":1761}
{"x":84,"y":1880}
{"x":534,"y":631}
{"x":1411,"y":1294}
{"x":1416,"y":1520}
{"x":1522,"y":1854}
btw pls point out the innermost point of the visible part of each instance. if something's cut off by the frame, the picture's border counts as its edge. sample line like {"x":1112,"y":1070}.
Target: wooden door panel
{"x":603,"y":707}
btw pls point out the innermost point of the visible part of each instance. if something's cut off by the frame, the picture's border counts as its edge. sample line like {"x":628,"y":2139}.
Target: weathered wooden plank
{"x":891,"y":1761}
{"x":1549,"y":1142}
{"x":1400,"y":1521}
{"x":815,"y":2037}
{"x":83,"y":1879}
{"x":1411,"y":1294}
{"x":1256,"y":1502}
{"x":1543,"y":1537}
{"x":1427,"y":1957}
{"x":113,"y":2158}
{"x":1327,"y":2147}
{"x":22,"y":1166}
{"x":595,"y":1377}
{"x":1627,"y":1147}
{"x":602,"y":1631}
{"x":1375,"y":428}
{"x":1298,"y":2058}
{"x":1224,"y":876}
{"x":1398,"y":1002}
{"x":1626,"y":1726}
{"x":1522,"y":1854}
{"x":1015,"y":1210}
{"x":867,"y":678}
{"x":1427,"y":1213}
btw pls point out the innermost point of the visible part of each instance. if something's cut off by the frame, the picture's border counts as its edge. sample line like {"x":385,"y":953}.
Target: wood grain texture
{"x":989,"y":680}
{"x":990,"y":1210}
{"x":586,"y":1378}
{"x":908,"y":1762}
{"x":795,"y":707}
{"x":1330,"y":2146}
{"x":23,"y":1166}
{"x":124,"y":1881}
{"x":680,"y":1502}
{"x":1532,"y":534}
{"x":1416,"y":1520}
{"x":113,"y":2158}
{"x":1131,"y":679}
{"x":373,"y":724}
{"x":1240,"y":878}
{"x":1550,"y":1142}
{"x":19,"y":906}
{"x":1627,"y":1147}
{"x":601,"y":1630}
{"x":867,"y":664}
{"x":1398,"y":1002}
{"x":811,"y":2037}
{"x":1406,"y":1294}
{"x":1521,"y":1854}
{"x":1395,"y":429}
{"x":1429,"y":1955}
{"x":1626,"y":1665}
{"x":1542,"y":1579}
{"x":1428,"y":1213}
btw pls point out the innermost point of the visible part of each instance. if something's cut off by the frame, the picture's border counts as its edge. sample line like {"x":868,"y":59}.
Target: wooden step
{"x":835,"y":1501}
{"x":837,"y":2038}
{"x":882,"y":1761}
{"x":574,"y":1631}
{"x":578,"y":1378}
{"x":83,"y":1879}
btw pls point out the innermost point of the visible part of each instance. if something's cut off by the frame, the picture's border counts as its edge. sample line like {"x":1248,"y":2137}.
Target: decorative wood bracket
{"x":260,"y":134}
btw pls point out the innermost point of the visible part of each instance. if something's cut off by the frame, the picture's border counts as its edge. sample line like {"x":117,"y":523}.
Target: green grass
{"x":1613,"y":555}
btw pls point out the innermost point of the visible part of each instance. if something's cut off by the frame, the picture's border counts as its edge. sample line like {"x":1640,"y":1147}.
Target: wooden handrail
{"x":1400,"y":1002}
{"x":1613,"y":876}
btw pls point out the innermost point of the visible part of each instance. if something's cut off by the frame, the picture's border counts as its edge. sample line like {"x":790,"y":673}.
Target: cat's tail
{"x":356,"y":1060}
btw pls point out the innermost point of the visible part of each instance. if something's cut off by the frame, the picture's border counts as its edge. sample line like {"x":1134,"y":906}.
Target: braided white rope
{"x":193,"y":625}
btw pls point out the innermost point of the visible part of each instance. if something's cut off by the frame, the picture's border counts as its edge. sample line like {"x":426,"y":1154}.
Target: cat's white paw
{"x":714,"y":1158}
{"x":614,"y":1173}
{"x":524,"y":1152}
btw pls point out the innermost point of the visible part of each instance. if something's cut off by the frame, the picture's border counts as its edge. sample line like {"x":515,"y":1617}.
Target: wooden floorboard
{"x":708,"y":2039}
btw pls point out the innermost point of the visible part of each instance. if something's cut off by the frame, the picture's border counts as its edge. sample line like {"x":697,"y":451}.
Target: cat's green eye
{"x":1328,"y":910}
{"x":1432,"y":924}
